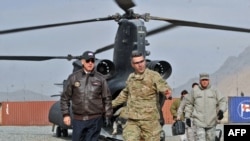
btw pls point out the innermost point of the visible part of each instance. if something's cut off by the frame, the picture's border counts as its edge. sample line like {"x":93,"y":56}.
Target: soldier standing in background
{"x":195,"y":85}
{"x":141,"y":96}
{"x":205,"y":105}
{"x":189,"y":130}
{"x":179,"y":116}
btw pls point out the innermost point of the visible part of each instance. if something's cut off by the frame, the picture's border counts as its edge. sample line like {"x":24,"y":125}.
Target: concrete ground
{"x":169,"y":137}
{"x":168,"y":133}
{"x":42,"y":133}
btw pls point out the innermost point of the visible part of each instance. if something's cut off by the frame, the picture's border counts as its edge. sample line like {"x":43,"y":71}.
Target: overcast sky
{"x":189,"y":50}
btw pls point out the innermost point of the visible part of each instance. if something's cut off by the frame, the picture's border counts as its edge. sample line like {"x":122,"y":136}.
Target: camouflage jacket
{"x":202,"y":105}
{"x":181,"y":108}
{"x":141,"y":94}
{"x":174,"y":109}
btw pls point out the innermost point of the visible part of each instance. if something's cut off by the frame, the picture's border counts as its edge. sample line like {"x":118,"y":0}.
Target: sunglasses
{"x":90,"y":60}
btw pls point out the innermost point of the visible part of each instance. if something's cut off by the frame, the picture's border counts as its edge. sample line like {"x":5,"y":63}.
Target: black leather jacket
{"x":89,"y":95}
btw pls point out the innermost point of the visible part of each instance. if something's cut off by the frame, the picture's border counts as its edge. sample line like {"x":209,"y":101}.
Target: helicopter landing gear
{"x":61,"y":132}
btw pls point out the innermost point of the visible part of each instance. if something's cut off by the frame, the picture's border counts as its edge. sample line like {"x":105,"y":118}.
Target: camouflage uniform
{"x":141,"y":97}
{"x":173,"y":109}
{"x":180,"y":114}
{"x":202,"y":105}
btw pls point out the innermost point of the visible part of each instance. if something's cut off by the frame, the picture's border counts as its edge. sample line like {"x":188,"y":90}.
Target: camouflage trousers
{"x":188,"y":136}
{"x":190,"y":132}
{"x":141,"y":130}
{"x":205,"y":134}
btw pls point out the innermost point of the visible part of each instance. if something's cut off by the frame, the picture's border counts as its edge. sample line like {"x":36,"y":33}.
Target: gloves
{"x":220,"y":115}
{"x":188,"y":122}
{"x":107,"y":122}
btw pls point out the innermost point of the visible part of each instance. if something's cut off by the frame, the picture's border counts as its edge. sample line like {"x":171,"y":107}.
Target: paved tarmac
{"x":44,"y":133}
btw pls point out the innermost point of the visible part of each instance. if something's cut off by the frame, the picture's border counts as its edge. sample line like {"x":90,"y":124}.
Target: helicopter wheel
{"x":58,"y":131}
{"x":65,"y":132}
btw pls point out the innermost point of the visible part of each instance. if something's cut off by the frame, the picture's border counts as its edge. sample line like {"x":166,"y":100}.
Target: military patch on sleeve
{"x":77,"y":84}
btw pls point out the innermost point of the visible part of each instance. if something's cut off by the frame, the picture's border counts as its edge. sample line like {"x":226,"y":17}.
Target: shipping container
{"x":29,"y":113}
{"x":168,"y":118}
{"x":239,"y":109}
{"x":25,"y":113}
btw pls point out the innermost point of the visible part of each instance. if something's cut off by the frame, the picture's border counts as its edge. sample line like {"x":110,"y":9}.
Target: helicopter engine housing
{"x":105,"y":67}
{"x":162,"y":67}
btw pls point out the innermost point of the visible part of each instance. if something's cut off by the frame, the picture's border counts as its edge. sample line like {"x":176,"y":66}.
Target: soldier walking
{"x":140,"y":95}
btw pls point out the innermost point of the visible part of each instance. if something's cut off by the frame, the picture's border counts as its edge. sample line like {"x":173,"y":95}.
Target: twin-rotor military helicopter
{"x":131,"y":35}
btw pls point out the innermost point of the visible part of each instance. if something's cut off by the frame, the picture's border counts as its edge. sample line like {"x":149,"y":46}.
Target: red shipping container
{"x":25,"y":113}
{"x":168,"y":118}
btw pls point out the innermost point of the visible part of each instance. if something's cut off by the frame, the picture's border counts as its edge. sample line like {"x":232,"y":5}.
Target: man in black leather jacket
{"x":91,"y":100}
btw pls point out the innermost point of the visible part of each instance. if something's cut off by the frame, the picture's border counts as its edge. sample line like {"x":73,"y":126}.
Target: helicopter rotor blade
{"x":37,"y":58}
{"x":55,"y":25}
{"x":151,"y":32}
{"x":200,"y":25}
{"x":59,"y":84}
{"x":55,"y":95}
{"x":161,"y":29}
{"x":108,"y":47}
{"x":125,"y":4}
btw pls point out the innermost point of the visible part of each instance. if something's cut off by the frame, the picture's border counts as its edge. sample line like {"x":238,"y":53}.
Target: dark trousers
{"x":87,"y":130}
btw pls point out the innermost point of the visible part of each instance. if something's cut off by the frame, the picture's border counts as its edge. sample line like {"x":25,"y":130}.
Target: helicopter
{"x":131,"y":35}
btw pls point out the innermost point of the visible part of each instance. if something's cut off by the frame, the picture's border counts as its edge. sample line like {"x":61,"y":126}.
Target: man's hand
{"x":67,"y":120}
{"x":188,"y":122}
{"x":107,"y":122}
{"x":220,"y":115}
{"x":168,"y":94}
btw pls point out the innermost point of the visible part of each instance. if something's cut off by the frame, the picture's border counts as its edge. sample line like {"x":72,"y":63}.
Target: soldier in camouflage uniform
{"x":141,"y":97}
{"x":205,"y":105}
{"x":179,"y":116}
